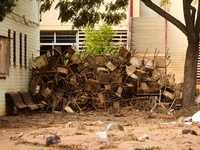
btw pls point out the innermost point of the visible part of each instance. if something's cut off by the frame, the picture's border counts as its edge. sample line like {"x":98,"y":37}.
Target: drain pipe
{"x":129,"y":24}
{"x":165,"y":38}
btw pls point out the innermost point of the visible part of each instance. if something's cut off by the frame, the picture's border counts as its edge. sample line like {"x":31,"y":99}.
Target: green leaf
{"x":99,"y":39}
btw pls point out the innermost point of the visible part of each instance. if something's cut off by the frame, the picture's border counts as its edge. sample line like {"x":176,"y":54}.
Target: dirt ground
{"x":161,"y":132}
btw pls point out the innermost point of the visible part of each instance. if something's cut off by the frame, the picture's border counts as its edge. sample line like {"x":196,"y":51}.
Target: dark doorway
{"x":44,"y":48}
{"x":63,"y":47}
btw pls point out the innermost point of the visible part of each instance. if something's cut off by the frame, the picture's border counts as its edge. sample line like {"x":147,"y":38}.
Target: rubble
{"x":77,"y":82}
{"x":17,"y":137}
{"x":102,"y":136}
{"x":112,"y":126}
{"x":52,"y":140}
{"x":186,"y":131}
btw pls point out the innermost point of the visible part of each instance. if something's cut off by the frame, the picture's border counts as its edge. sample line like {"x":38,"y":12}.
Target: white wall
{"x":147,"y":12}
{"x":176,"y":42}
{"x":19,"y":78}
{"x":49,"y":21}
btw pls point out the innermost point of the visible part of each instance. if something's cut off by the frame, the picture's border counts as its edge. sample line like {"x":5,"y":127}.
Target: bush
{"x":99,"y":40}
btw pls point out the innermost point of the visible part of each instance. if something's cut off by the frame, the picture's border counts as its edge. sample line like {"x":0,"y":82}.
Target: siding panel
{"x":19,"y":78}
{"x":176,"y":42}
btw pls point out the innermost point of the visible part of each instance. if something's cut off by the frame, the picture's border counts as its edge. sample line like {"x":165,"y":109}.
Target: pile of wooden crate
{"x":85,"y":81}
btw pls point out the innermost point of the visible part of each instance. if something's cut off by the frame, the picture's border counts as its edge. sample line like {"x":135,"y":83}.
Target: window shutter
{"x":4,"y":57}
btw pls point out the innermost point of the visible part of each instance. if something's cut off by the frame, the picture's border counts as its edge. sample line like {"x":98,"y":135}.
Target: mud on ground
{"x":37,"y":127}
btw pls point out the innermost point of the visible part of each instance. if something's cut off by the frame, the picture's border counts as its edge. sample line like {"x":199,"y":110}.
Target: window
{"x":65,"y":37}
{"x":9,"y":37}
{"x":4,"y":56}
{"x":52,"y":39}
{"x":20,"y":50}
{"x":14,"y":49}
{"x":25,"y":51}
{"x":119,"y":39}
{"x":46,"y":37}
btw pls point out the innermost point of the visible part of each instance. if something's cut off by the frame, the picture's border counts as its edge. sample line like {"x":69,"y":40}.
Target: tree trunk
{"x":190,"y":73}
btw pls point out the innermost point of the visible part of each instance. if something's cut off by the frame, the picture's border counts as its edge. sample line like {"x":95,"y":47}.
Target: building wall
{"x":49,"y":21}
{"x":136,"y":8}
{"x":147,"y":12}
{"x":176,"y":42}
{"x":25,"y":20}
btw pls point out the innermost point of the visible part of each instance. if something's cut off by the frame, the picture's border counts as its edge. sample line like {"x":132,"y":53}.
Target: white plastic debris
{"x":196,"y":117}
{"x":144,"y":137}
{"x":188,"y":123}
{"x":187,"y":119}
{"x":174,"y":122}
{"x":164,"y":123}
{"x":102,"y":136}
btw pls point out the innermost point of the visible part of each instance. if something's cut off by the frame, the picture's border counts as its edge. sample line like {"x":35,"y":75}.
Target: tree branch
{"x":189,"y":19}
{"x":193,"y":9}
{"x":166,"y":15}
{"x":187,"y":14}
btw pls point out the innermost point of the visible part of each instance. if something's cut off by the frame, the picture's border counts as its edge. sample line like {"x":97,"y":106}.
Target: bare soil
{"x":36,"y":127}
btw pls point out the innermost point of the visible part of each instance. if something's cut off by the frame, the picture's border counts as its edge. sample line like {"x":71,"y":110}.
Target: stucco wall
{"x":176,"y":42}
{"x":49,"y":21}
{"x":19,"y":77}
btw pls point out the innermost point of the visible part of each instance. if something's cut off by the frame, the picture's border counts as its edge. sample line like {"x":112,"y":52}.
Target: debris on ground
{"x":78,"y":133}
{"x":102,"y":136}
{"x":126,"y":124}
{"x":17,"y":137}
{"x":133,"y":137}
{"x":112,"y":126}
{"x":186,"y":131}
{"x":69,"y":124}
{"x":142,"y":138}
{"x":196,"y":117}
{"x":53,"y":140}
{"x":181,"y":121}
{"x":76,"y":82}
{"x":97,"y":123}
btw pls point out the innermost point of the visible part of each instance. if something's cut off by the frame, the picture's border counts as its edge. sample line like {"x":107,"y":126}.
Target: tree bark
{"x":190,"y":73}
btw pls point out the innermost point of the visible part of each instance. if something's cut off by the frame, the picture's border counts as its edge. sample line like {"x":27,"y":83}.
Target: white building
{"x":22,"y":25}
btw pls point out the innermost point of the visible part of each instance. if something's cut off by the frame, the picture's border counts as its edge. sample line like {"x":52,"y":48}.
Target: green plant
{"x":166,"y":3}
{"x":99,"y":40}
{"x":6,"y":7}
